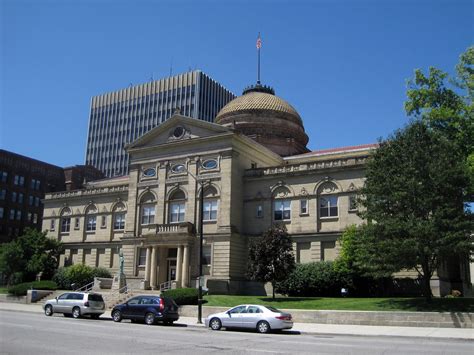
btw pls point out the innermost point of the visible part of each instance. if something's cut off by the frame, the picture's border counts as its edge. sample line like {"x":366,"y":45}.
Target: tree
{"x":29,"y":254}
{"x":271,"y":257}
{"x":413,"y":202}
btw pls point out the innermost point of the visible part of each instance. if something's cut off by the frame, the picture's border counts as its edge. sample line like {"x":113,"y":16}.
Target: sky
{"x":343,"y":64}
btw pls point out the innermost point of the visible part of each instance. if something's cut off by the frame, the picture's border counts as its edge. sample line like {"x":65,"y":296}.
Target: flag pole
{"x":259,"y":45}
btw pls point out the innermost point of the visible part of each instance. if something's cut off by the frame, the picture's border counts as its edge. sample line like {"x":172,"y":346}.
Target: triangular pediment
{"x":178,"y":128}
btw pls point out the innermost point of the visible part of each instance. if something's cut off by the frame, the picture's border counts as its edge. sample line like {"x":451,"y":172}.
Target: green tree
{"x":29,"y":254}
{"x":271,"y":257}
{"x":413,"y":202}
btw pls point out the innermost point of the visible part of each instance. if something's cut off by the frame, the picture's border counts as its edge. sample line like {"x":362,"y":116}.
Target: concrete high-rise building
{"x":120,"y":117}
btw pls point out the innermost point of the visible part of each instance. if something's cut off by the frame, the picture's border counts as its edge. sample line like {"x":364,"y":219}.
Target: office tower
{"x":120,"y":117}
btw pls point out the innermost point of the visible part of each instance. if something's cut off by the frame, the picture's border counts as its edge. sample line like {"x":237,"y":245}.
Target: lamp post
{"x":201,"y":238}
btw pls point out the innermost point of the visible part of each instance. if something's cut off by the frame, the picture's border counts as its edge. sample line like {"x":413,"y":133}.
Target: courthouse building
{"x":255,"y":170}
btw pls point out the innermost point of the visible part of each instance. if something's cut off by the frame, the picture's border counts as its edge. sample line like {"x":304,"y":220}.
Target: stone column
{"x":153,"y":268}
{"x":148,"y":264}
{"x":185,"y":266}
{"x":179,"y":262}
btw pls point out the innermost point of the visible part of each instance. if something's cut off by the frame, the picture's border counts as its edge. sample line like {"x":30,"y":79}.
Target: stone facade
{"x":152,"y":213}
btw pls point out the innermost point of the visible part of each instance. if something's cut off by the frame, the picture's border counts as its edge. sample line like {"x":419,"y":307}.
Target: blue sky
{"x":342,"y":64}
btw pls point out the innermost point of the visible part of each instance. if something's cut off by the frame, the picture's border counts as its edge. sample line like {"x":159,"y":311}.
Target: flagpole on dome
{"x":259,"y":45}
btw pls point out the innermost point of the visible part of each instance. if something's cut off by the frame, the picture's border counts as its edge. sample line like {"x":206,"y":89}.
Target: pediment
{"x":178,"y":128}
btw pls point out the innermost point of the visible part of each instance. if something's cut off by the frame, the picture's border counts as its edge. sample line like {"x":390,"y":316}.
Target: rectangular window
{"x":18,"y":215}
{"x":37,"y":185}
{"x":352,"y":203}
{"x":37,"y":201}
{"x":13,"y":196}
{"x":1,"y":212}
{"x":206,"y":254}
{"x":210,"y":210}
{"x":30,"y":200}
{"x":12,"y":215}
{"x":282,"y":210}
{"x":76,"y":222}
{"x":3,"y":194}
{"x":177,"y":212}
{"x":32,"y":184}
{"x":119,"y":221}
{"x":142,"y":257}
{"x":20,"y":198}
{"x":91,"y":223}
{"x":21,"y":181}
{"x":35,"y":218}
{"x":65,"y":225}
{"x":259,"y":211}
{"x":30,"y":217}
{"x":304,"y":207}
{"x":16,"y":180}
{"x":4,"y":176}
{"x":148,"y":214}
{"x":103,"y":222}
{"x":328,"y":206}
{"x":52,"y":225}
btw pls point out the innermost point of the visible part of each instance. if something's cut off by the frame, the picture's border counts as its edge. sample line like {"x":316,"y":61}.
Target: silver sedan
{"x":261,"y":318}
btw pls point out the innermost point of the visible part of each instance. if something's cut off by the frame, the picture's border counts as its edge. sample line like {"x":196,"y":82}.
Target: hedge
{"x":21,"y":289}
{"x":182,"y":296}
{"x":79,"y":275}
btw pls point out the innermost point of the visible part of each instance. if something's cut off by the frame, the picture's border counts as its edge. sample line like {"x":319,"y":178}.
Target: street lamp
{"x":182,"y":167}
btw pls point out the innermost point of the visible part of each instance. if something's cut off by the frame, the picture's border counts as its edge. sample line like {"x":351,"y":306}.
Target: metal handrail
{"x":85,"y":288}
{"x":165,"y":286}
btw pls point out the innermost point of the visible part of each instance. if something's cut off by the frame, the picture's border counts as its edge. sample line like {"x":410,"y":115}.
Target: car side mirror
{"x":56,"y":298}
{"x":230,"y":314}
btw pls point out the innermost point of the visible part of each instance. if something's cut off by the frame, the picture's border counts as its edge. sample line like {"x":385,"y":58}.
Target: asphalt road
{"x":31,"y":333}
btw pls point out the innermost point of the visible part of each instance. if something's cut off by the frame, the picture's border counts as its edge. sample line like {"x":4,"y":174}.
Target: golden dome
{"x":258,"y":101}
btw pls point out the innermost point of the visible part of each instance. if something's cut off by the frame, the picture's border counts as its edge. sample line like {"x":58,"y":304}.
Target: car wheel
{"x":48,"y":310}
{"x":117,"y":316}
{"x":215,"y":324}
{"x":149,"y":318}
{"x":263,"y":327}
{"x":76,"y":312}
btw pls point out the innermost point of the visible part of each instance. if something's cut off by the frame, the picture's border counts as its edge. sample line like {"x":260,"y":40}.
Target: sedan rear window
{"x":273,"y":309}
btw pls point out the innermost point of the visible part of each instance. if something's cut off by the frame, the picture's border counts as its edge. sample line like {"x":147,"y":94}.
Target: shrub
{"x":313,"y":279}
{"x":21,"y":289}
{"x":183,"y":296}
{"x":78,"y":275}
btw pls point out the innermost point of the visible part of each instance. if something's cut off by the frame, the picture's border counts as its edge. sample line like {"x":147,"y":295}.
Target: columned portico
{"x":153,"y":267}
{"x":179,"y":268}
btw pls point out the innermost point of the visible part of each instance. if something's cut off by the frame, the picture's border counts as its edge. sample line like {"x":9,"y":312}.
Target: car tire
{"x":48,"y":310}
{"x":263,"y":327}
{"x":76,"y":312}
{"x":149,"y":318}
{"x":215,"y":324}
{"x":117,"y":316}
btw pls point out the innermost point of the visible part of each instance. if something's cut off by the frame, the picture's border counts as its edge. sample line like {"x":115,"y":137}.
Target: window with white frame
{"x":177,"y":207}
{"x":142,"y":257}
{"x":148,"y":214}
{"x":304,"y":207}
{"x":210,"y":210}
{"x":91,"y":223}
{"x":65,"y":224}
{"x":52,"y":225}
{"x":328,"y":206}
{"x":282,"y":210}
{"x":119,"y":221}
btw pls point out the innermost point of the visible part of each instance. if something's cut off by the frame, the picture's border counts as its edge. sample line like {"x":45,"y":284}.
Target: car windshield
{"x":273,"y":309}
{"x":96,"y":298}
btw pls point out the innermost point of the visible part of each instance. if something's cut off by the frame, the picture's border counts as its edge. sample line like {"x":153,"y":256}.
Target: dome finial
{"x":259,"y":45}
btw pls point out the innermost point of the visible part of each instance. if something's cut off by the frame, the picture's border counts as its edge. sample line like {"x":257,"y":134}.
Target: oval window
{"x":209,"y":164}
{"x":178,"y":168}
{"x":149,"y":172}
{"x":178,"y":132}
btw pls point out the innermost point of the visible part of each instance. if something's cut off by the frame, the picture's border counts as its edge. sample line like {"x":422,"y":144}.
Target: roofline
{"x":337,"y":150}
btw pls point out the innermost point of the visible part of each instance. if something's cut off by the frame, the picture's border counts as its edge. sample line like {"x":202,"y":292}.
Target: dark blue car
{"x":147,"y":308}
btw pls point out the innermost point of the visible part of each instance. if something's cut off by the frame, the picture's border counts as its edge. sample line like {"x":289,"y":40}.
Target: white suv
{"x":76,"y":304}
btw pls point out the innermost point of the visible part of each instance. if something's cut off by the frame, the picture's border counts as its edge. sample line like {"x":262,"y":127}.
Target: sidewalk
{"x":314,"y":328}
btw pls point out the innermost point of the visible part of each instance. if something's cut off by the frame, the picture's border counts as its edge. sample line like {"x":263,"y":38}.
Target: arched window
{"x":66,"y":220}
{"x":119,"y":214}
{"x":281,"y":204}
{"x":211,"y":203}
{"x":91,"y":218}
{"x":177,"y":206}
{"x":148,"y":204}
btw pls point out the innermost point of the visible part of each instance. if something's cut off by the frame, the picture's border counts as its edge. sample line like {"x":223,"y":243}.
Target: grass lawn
{"x":3,"y":290}
{"x":348,"y":304}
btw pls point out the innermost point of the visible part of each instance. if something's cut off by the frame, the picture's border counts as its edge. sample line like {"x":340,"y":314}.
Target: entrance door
{"x":171,"y":270}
